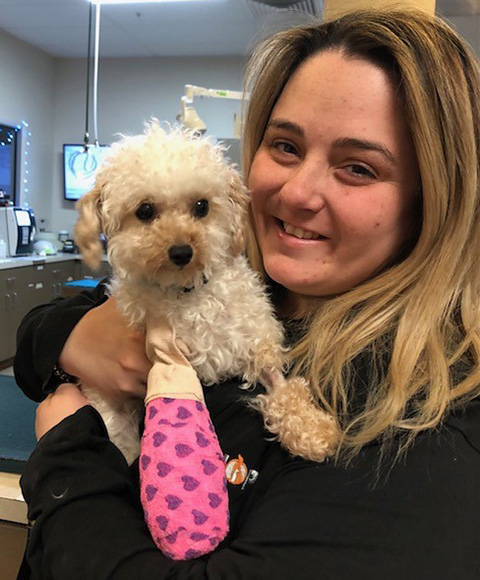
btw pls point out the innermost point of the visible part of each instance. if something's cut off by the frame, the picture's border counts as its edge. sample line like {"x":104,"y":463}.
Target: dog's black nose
{"x":180,"y":255}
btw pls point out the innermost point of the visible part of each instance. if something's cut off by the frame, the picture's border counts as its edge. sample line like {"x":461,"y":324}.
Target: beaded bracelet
{"x":62,"y":376}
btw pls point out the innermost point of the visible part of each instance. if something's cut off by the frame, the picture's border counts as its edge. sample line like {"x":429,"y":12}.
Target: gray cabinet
{"x":21,"y":289}
{"x":50,"y":277}
{"x":17,"y":297}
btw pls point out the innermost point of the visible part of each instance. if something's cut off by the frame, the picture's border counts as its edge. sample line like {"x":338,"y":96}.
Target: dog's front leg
{"x":182,"y":470}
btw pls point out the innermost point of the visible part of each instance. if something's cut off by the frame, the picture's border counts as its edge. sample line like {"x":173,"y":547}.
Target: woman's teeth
{"x":299,"y":233}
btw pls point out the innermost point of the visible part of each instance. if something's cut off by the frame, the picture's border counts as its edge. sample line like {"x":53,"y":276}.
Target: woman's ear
{"x":239,"y":202}
{"x":89,"y":227}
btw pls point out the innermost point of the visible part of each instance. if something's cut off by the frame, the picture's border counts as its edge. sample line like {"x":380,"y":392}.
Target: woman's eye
{"x":200,"y":208}
{"x":361,"y":171}
{"x":145,"y":212}
{"x":285,"y":147}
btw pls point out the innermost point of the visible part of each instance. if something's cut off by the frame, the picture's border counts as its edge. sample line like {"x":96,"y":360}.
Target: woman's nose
{"x":305,"y":188}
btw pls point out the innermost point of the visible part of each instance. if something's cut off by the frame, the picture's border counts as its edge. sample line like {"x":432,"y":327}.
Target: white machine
{"x":17,"y":229}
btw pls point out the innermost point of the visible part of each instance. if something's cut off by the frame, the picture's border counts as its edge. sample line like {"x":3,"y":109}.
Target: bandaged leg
{"x":182,"y":469}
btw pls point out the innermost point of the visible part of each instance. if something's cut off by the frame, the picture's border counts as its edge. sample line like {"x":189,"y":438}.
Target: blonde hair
{"x":417,"y":322}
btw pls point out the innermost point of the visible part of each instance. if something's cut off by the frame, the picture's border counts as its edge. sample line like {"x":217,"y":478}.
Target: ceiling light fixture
{"x":146,"y":1}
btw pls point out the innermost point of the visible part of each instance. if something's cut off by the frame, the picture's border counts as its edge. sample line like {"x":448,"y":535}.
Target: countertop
{"x":23,"y":261}
{"x":12,"y":505}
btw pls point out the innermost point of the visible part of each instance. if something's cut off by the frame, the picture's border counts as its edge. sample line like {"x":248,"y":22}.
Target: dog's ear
{"x":239,"y":201}
{"x":89,"y":227}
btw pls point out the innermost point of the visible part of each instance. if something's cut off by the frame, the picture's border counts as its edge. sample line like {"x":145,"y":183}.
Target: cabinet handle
{"x":14,"y":299}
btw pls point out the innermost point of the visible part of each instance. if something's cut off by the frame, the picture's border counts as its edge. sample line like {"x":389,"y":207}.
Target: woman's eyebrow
{"x":365,"y":145}
{"x":286,"y":125}
{"x":343,"y":142}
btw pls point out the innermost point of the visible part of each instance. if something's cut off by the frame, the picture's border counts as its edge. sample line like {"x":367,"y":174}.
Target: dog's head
{"x":171,"y":207}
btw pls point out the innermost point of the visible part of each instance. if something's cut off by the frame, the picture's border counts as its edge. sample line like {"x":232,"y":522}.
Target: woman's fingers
{"x":107,"y":353}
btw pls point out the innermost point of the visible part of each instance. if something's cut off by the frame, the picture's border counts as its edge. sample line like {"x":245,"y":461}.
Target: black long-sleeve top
{"x":290,"y":518}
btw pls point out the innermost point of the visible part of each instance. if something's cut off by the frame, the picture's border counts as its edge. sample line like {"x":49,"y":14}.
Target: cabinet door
{"x":59,"y":273}
{"x":42,"y":283}
{"x":20,"y":284}
{"x":5,"y":338}
{"x":49,"y":278}
{"x":17,"y":299}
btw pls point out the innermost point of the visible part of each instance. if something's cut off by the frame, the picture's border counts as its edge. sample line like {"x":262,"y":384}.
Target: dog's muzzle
{"x":180,"y":255}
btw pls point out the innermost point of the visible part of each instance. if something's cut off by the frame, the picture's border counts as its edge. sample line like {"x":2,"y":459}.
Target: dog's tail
{"x":89,"y":227}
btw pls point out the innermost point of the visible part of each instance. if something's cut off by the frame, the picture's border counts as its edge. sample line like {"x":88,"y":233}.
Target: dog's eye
{"x":200,"y":209}
{"x":145,"y":212}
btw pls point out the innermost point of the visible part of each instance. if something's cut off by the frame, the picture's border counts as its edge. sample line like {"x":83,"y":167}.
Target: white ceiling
{"x":219,"y":27}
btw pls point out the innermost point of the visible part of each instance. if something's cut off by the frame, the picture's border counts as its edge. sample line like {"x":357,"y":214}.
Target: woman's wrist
{"x":59,"y":376}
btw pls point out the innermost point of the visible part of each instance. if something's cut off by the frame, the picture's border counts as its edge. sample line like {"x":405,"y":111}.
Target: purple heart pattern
{"x":145,"y":461}
{"x":163,"y":469}
{"x":182,"y":477}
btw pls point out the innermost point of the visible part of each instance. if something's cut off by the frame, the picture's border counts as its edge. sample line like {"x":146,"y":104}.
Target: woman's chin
{"x":292,"y":278}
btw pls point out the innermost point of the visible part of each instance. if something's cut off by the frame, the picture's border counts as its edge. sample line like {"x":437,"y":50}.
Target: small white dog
{"x":174,"y":214}
{"x":173,"y":211}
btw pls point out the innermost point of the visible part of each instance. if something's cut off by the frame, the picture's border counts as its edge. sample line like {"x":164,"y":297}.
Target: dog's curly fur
{"x":216,"y":304}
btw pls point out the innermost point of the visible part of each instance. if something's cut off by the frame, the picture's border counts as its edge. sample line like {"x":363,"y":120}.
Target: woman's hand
{"x":107,"y":354}
{"x":65,"y":401}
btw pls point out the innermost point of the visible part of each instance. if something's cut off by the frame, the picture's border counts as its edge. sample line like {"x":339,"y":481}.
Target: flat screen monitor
{"x":9,"y":138}
{"x":80,"y":166}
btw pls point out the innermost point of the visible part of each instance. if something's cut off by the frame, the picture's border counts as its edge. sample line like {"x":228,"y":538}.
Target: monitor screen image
{"x":80,"y":167}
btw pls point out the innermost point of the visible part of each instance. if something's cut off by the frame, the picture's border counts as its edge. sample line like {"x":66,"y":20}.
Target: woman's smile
{"x":288,"y":230}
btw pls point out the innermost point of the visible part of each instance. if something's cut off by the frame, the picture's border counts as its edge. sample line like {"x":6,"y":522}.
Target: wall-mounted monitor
{"x":80,"y":166}
{"x":9,"y":152}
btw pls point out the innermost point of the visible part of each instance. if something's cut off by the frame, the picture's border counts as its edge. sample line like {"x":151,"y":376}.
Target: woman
{"x":362,"y":157}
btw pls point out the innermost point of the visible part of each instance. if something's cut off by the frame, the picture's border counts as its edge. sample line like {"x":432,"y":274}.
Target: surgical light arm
{"x":189,"y":116}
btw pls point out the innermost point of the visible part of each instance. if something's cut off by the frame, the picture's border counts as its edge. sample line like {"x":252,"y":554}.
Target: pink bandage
{"x":182,"y":477}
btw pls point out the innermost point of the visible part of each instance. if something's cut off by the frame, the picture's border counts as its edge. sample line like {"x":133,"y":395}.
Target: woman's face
{"x":334,"y":181}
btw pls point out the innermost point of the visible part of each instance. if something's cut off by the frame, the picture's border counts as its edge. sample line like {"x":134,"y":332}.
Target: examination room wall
{"x":131,"y":91}
{"x":27,"y":94}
